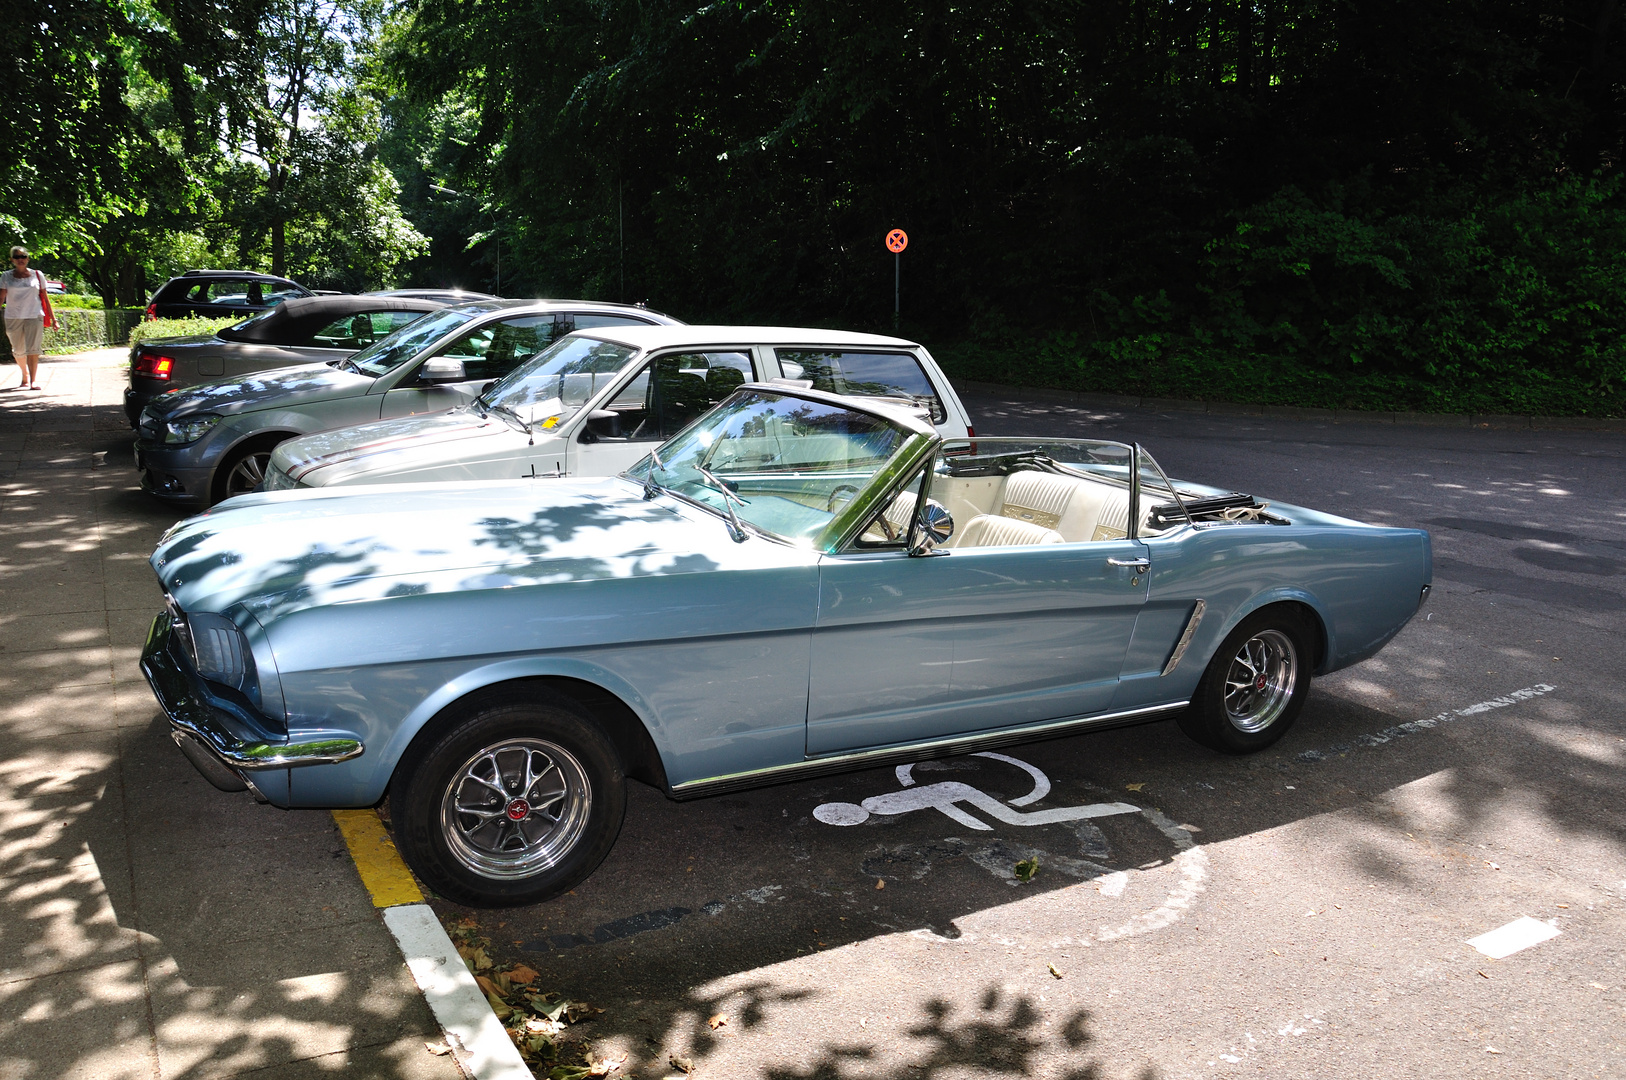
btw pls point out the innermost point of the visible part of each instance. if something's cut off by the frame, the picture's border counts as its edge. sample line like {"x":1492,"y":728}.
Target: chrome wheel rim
{"x":516,"y":808}
{"x":247,"y":474}
{"x":1260,"y":681}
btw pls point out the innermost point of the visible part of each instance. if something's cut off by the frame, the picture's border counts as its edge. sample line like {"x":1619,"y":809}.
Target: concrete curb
{"x":1289,"y":412}
{"x":476,"y":1037}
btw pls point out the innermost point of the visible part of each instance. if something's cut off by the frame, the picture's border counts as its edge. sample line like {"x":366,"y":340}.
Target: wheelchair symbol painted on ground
{"x":946,"y":796}
{"x":1185,"y":874}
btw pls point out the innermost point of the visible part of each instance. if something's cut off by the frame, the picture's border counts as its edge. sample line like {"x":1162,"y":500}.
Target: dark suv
{"x":213,"y":294}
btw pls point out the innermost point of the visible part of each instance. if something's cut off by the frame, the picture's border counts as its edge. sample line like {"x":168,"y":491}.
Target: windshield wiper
{"x":651,"y":488}
{"x":524,"y":424}
{"x":735,"y":530}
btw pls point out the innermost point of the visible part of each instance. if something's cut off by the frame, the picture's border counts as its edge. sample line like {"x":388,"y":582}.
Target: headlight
{"x":277,"y":480}
{"x":219,"y":650}
{"x":189,"y":429}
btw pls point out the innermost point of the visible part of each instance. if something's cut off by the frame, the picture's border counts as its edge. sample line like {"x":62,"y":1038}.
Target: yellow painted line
{"x":379,"y":864}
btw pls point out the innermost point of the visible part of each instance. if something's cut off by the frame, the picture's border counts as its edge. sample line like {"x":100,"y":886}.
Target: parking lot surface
{"x":1304,"y":912}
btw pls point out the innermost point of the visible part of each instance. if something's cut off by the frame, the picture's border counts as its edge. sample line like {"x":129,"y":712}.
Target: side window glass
{"x":869,"y":374}
{"x":587,"y":320}
{"x":673,"y":389}
{"x":235,"y":293}
{"x":495,"y":349}
{"x":351,"y":332}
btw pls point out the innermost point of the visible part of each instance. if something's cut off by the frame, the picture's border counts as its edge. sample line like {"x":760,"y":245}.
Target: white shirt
{"x":23,"y":294}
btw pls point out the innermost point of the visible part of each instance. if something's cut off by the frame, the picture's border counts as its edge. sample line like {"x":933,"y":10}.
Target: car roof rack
{"x":242,"y":273}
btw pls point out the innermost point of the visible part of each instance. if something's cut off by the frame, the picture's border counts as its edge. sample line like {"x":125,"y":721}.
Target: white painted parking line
{"x":477,"y":1039}
{"x":1516,"y":936}
{"x":1412,"y":727}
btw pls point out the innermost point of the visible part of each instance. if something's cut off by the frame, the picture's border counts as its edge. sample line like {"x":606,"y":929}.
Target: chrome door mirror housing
{"x":932,"y":528}
{"x":441,"y":369}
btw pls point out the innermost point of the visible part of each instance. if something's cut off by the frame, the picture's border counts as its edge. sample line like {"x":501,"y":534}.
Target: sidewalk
{"x":151,"y":926}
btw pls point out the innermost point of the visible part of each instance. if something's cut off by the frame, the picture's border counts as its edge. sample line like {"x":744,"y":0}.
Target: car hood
{"x":406,"y":444}
{"x":277,"y":553}
{"x":299,"y":385}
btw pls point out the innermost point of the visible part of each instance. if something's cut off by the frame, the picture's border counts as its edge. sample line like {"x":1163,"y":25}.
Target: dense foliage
{"x":1327,"y":202}
{"x":1337,"y":202}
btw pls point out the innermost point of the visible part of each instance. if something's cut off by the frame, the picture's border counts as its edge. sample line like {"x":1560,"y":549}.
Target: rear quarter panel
{"x":1363,"y":582}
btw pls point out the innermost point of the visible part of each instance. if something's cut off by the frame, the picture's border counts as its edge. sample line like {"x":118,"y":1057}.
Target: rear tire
{"x":1255,"y":685}
{"x":515,"y":802}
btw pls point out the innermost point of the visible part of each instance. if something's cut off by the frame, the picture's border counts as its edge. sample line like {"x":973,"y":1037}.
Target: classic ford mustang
{"x":796,"y":583}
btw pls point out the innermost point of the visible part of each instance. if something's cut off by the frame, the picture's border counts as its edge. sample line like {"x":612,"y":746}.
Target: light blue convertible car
{"x":797,"y":583}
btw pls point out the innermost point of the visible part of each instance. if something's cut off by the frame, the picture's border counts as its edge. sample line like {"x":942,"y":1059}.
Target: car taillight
{"x":970,"y":432}
{"x":152,"y":311}
{"x":154,"y":366}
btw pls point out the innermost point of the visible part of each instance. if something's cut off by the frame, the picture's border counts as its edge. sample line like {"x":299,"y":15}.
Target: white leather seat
{"x":1080,"y":510}
{"x":994,"y":530}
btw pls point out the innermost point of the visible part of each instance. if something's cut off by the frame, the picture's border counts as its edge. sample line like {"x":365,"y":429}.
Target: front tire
{"x":243,"y":470}
{"x":1255,"y":685}
{"x":515,"y":802}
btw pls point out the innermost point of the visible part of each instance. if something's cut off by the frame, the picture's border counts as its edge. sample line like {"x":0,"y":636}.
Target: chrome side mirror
{"x":441,"y":369}
{"x":933,"y":527}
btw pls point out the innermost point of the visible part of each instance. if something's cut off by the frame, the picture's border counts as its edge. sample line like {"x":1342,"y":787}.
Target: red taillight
{"x":152,"y":311}
{"x":154,"y":366}
{"x":970,"y":432}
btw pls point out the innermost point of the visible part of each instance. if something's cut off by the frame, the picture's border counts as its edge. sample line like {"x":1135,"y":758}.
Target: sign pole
{"x":896,"y":241}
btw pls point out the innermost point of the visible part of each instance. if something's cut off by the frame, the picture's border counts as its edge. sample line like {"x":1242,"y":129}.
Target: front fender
{"x":362,"y":781}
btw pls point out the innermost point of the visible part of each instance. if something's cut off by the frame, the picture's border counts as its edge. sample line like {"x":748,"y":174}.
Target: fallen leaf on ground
{"x":880,"y":883}
{"x":1134,"y":787}
{"x":717,"y":1021}
{"x":522,"y":975}
{"x":1026,"y":869}
{"x":606,"y":1065}
{"x":1054,"y":970}
{"x":1492,"y":1050}
{"x":438,"y":1049}
{"x":577,"y":1010}
{"x":682,"y":1064}
{"x":488,"y":986}
{"x":499,"y":1006}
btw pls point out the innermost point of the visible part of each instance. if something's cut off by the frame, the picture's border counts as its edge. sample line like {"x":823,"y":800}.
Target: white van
{"x":595,"y":402}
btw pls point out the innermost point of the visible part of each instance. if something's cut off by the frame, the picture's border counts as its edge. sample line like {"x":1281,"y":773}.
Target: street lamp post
{"x":439,"y":190}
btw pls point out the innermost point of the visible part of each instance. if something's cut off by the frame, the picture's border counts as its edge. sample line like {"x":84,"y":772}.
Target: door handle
{"x":1140,"y":566}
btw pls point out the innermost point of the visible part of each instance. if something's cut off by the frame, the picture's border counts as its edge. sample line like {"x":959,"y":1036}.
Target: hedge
{"x":80,"y":328}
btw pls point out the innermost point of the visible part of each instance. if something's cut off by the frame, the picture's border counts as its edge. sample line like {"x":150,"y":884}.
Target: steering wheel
{"x":842,"y":494}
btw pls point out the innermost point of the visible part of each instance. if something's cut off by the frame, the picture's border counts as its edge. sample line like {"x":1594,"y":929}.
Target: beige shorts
{"x":26,"y":336}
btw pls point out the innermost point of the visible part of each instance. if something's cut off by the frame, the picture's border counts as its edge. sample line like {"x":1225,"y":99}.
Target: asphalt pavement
{"x":1304,"y":912}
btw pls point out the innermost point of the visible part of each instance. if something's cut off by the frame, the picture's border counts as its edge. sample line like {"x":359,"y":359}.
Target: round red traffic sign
{"x":897,"y":240}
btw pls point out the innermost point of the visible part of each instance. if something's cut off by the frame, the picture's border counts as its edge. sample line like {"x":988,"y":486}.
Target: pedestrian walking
{"x":28,"y":315}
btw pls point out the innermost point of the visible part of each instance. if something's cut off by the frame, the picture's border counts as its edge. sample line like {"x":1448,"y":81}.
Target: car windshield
{"x":389,"y":353}
{"x":791,"y":464}
{"x":554,"y":384}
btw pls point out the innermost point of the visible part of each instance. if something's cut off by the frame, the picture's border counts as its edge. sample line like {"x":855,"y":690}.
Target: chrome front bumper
{"x":213,"y":730}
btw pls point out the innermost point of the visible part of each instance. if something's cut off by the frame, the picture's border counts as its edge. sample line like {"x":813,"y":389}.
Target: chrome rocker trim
{"x":221,"y":727}
{"x":891,"y":755}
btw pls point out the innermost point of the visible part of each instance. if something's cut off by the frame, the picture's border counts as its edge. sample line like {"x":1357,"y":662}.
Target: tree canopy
{"x":1298,"y":198}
